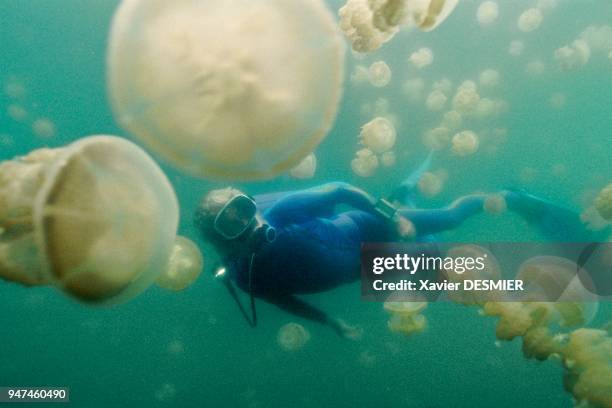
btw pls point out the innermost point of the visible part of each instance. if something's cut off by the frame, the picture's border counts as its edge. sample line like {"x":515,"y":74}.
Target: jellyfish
{"x":365,"y":163}
{"x":406,"y":317}
{"x":437,"y":138}
{"x":598,"y":38}
{"x":495,"y":204}
{"x":603,"y":203}
{"x":369,"y":24}
{"x":184,"y":266}
{"x":14,"y":89}
{"x":166,"y":392}
{"x":488,"y":108}
{"x":558,"y":100}
{"x":378,"y":135}
{"x":388,"y":159}
{"x":465,"y":143}
{"x":306,"y":169}
{"x":44,"y":128}
{"x":489,"y":78}
{"x":360,"y":75}
{"x":487,"y":13}
{"x":535,"y":67}
{"x":444,"y":85}
{"x":436,"y":101}
{"x":414,"y":88}
{"x":430,"y":184}
{"x":530,"y":20}
{"x":17,"y":112}
{"x":466,"y":99}
{"x":422,"y":58}
{"x":292,"y":337}
{"x":379,"y":74}
{"x":573,"y":56}
{"x":96,"y":219}
{"x":516,"y":48}
{"x":452,"y":120}
{"x":546,"y":5}
{"x":232,"y":90}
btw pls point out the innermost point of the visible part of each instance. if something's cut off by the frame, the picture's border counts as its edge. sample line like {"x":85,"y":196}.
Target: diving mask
{"x":236,"y":216}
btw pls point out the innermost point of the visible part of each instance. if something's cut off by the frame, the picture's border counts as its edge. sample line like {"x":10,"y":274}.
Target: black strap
{"x":252,"y":320}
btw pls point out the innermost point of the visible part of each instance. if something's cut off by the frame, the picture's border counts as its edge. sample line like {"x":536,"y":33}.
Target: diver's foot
{"x":348,"y":331}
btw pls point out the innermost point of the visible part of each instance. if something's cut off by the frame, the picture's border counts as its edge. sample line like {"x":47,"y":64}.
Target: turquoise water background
{"x":193,"y":349}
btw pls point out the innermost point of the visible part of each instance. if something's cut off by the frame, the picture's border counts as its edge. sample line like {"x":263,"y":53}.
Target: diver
{"x":278,"y":246}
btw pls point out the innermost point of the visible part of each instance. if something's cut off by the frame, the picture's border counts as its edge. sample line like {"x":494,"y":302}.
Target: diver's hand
{"x":404,"y":227}
{"x":347,"y":331}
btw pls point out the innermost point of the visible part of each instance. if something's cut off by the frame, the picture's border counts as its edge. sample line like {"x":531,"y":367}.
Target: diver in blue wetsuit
{"x":281,"y":245}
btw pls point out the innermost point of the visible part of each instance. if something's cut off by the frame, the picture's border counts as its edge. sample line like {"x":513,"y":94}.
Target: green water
{"x":194,"y":345}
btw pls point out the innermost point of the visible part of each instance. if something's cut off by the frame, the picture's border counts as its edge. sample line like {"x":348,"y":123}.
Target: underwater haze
{"x":551,"y":136}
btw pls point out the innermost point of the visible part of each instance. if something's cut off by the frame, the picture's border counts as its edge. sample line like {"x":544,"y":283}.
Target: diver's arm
{"x":318,"y":200}
{"x":300,"y":308}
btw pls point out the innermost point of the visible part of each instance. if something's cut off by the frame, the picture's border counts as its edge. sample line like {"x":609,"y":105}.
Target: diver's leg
{"x":427,"y":222}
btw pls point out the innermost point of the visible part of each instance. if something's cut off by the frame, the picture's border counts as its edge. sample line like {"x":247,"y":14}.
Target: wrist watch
{"x":385,"y":209}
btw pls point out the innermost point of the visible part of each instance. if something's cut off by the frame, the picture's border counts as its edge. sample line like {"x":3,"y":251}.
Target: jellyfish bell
{"x":429,"y":14}
{"x":378,"y":135}
{"x":97,"y":218}
{"x":184,"y":267}
{"x":235,"y":90}
{"x":603,"y":203}
{"x":292,"y":337}
{"x":406,"y":317}
{"x":306,"y":168}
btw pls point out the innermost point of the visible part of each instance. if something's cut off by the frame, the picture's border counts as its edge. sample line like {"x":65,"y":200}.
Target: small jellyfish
{"x":437,"y":138}
{"x":292,"y":337}
{"x":44,"y":128}
{"x":378,"y":135}
{"x":489,"y":78}
{"x":488,"y":108}
{"x":14,"y":89}
{"x":516,"y":48}
{"x":444,"y":85}
{"x":573,"y":56}
{"x":184,"y":267}
{"x":422,"y":58}
{"x":436,"y":101}
{"x":603,"y":203}
{"x":465,"y":143}
{"x":413,"y":89}
{"x":546,"y":5}
{"x":495,"y":204}
{"x":558,"y":100}
{"x":176,"y":347}
{"x":379,"y":74}
{"x":452,"y":120}
{"x":406,"y":317}
{"x":535,"y":67}
{"x":306,"y":169}
{"x":101,"y":219}
{"x":365,"y":163}
{"x":232,"y":90}
{"x":487,"y":13}
{"x":388,"y":159}
{"x":530,"y":20}
{"x":166,"y":392}
{"x":466,"y":99}
{"x":17,"y":112}
{"x":430,"y":184}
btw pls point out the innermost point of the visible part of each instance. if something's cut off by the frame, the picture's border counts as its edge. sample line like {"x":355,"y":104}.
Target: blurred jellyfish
{"x":536,"y":67}
{"x":558,"y":100}
{"x":388,"y":159}
{"x":528,"y":174}
{"x":598,"y":38}
{"x":489,"y":78}
{"x":430,"y":184}
{"x":444,"y":85}
{"x":437,"y":138}
{"x":603,"y":203}
{"x":176,"y":347}
{"x":44,"y":128}
{"x":546,"y":5}
{"x":495,"y":204}
{"x":292,"y":337}
{"x":465,"y":143}
{"x":306,"y":169}
{"x":573,"y":56}
{"x":378,"y":135}
{"x":6,"y":141}
{"x":17,"y":112}
{"x":365,"y":163}
{"x":422,"y":58}
{"x":184,"y":267}
{"x":530,"y":20}
{"x":516,"y":48}
{"x":14,"y":89}
{"x":406,"y":317}
{"x":488,"y":108}
{"x":414,"y":88}
{"x":466,"y":99}
{"x":487,"y":13}
{"x":452,"y":120}
{"x":436,"y":101}
{"x":460,"y":273}
{"x":360,"y":75}
{"x":369,"y":24}
{"x":226,"y":89}
{"x":379,"y":74}
{"x":166,"y":392}
{"x":96,"y":219}
{"x":592,"y":220}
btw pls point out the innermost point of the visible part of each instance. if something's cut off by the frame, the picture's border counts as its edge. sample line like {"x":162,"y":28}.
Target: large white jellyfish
{"x":236,"y":89}
{"x":530,"y":20}
{"x":368,"y":24}
{"x":378,"y":135}
{"x":487,"y":13}
{"x":184,"y":266}
{"x":96,"y":219}
{"x":292,"y":337}
{"x":379,"y":74}
{"x":603,"y":203}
